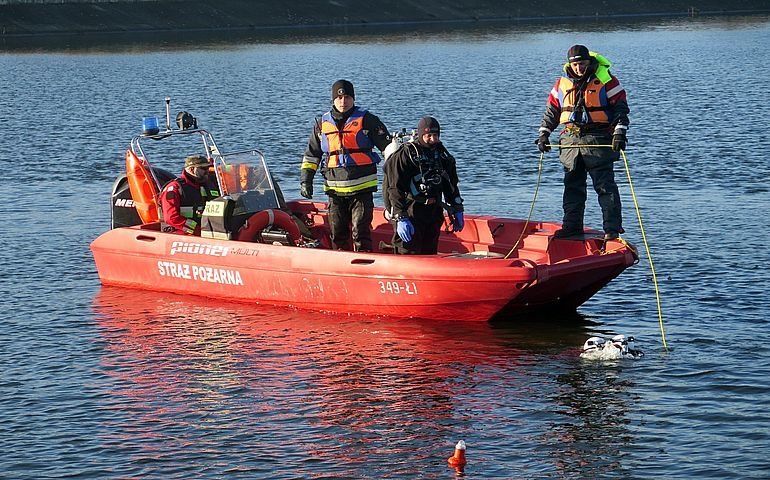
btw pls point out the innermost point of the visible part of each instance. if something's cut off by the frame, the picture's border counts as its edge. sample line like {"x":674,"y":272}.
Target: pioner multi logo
{"x":198,"y":249}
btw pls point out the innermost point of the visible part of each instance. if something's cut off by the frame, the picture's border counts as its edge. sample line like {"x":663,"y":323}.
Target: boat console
{"x":244,"y":181}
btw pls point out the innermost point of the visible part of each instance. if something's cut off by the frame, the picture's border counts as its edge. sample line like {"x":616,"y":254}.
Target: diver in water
{"x":619,"y":346}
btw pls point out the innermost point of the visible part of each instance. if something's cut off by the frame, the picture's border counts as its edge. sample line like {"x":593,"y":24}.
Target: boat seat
{"x":154,"y":226}
{"x":479,"y":255}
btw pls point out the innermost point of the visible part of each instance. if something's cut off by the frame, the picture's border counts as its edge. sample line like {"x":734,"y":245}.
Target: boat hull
{"x":473,"y":284}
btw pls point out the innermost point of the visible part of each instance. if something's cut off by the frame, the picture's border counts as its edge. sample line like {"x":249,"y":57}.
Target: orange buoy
{"x":458,"y":459}
{"x":142,"y":186}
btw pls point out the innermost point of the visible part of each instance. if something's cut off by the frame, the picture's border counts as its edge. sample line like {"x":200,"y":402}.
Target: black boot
{"x":613,"y":234}
{"x":568,"y":232}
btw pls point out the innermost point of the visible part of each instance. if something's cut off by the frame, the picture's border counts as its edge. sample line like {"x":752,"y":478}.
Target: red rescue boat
{"x":257,"y":248}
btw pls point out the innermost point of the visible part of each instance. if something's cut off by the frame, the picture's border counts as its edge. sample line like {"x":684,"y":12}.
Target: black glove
{"x":306,"y":189}
{"x":618,"y":142}
{"x":542,"y":143}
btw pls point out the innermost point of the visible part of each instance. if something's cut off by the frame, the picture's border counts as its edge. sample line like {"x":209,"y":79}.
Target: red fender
{"x":249,"y":232}
{"x":142,"y":187}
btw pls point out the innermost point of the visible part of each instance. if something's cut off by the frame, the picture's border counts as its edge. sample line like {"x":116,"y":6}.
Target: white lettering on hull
{"x":198,"y":249}
{"x":398,"y":288}
{"x":222,"y":276}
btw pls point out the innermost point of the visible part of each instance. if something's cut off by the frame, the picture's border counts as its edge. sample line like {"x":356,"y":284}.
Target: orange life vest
{"x":349,"y":146}
{"x":596,"y":106}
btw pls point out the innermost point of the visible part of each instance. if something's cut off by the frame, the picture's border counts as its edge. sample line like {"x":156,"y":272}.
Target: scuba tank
{"x":399,"y":138}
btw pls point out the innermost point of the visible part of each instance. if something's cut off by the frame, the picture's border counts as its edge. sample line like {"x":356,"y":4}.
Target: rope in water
{"x":638,"y":216}
{"x":647,"y":248}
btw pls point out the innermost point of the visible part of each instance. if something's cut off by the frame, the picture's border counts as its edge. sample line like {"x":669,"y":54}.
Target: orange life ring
{"x":249,"y":232}
{"x":144,"y":192}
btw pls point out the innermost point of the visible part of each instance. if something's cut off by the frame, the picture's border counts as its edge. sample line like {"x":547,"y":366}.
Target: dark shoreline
{"x":260,"y":16}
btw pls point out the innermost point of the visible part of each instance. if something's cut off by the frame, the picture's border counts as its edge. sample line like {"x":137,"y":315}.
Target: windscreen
{"x":247,"y":172}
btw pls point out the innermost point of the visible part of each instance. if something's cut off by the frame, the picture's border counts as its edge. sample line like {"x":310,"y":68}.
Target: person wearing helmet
{"x":591,"y":103}
{"x":420,"y":180}
{"x":182,"y":200}
{"x":342,"y":145}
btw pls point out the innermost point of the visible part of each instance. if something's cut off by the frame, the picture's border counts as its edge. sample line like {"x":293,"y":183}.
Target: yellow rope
{"x":577,"y":146}
{"x":531,"y":208}
{"x":647,"y":248}
{"x":623,"y":246}
{"x":641,"y":227}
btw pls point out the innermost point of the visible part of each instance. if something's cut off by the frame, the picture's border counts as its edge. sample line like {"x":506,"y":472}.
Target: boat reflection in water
{"x":272,"y":390}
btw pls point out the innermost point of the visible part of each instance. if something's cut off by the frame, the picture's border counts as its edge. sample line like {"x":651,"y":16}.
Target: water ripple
{"x":110,"y":383}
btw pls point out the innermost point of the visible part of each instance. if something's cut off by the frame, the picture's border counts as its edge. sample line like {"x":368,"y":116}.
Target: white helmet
{"x":621,"y":343}
{"x":594,"y":343}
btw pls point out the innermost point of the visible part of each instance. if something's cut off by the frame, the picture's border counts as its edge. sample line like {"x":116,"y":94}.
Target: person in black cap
{"x":182,"y":200}
{"x":591,"y":103}
{"x":418,"y":176}
{"x":342,"y":145}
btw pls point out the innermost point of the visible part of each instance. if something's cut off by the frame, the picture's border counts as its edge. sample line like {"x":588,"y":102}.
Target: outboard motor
{"x":123,"y":212}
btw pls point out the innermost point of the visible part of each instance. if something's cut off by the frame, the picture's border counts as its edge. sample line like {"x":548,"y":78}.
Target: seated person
{"x":183,"y":199}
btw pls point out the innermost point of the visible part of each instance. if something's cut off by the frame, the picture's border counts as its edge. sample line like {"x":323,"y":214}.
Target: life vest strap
{"x":578,"y":129}
{"x":350,"y":150}
{"x":587,"y":109}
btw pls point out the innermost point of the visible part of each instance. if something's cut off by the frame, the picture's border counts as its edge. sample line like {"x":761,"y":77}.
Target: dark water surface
{"x":112,"y":383}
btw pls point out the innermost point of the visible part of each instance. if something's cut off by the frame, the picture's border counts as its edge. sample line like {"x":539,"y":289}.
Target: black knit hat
{"x":428,"y":125}
{"x":577,"y":53}
{"x":342,"y":87}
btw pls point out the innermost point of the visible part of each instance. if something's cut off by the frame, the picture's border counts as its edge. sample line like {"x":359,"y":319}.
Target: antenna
{"x":168,"y":114}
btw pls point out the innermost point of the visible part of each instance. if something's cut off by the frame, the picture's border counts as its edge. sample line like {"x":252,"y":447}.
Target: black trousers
{"x":574,"y":199}
{"x":427,"y":221}
{"x":351,"y":214}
